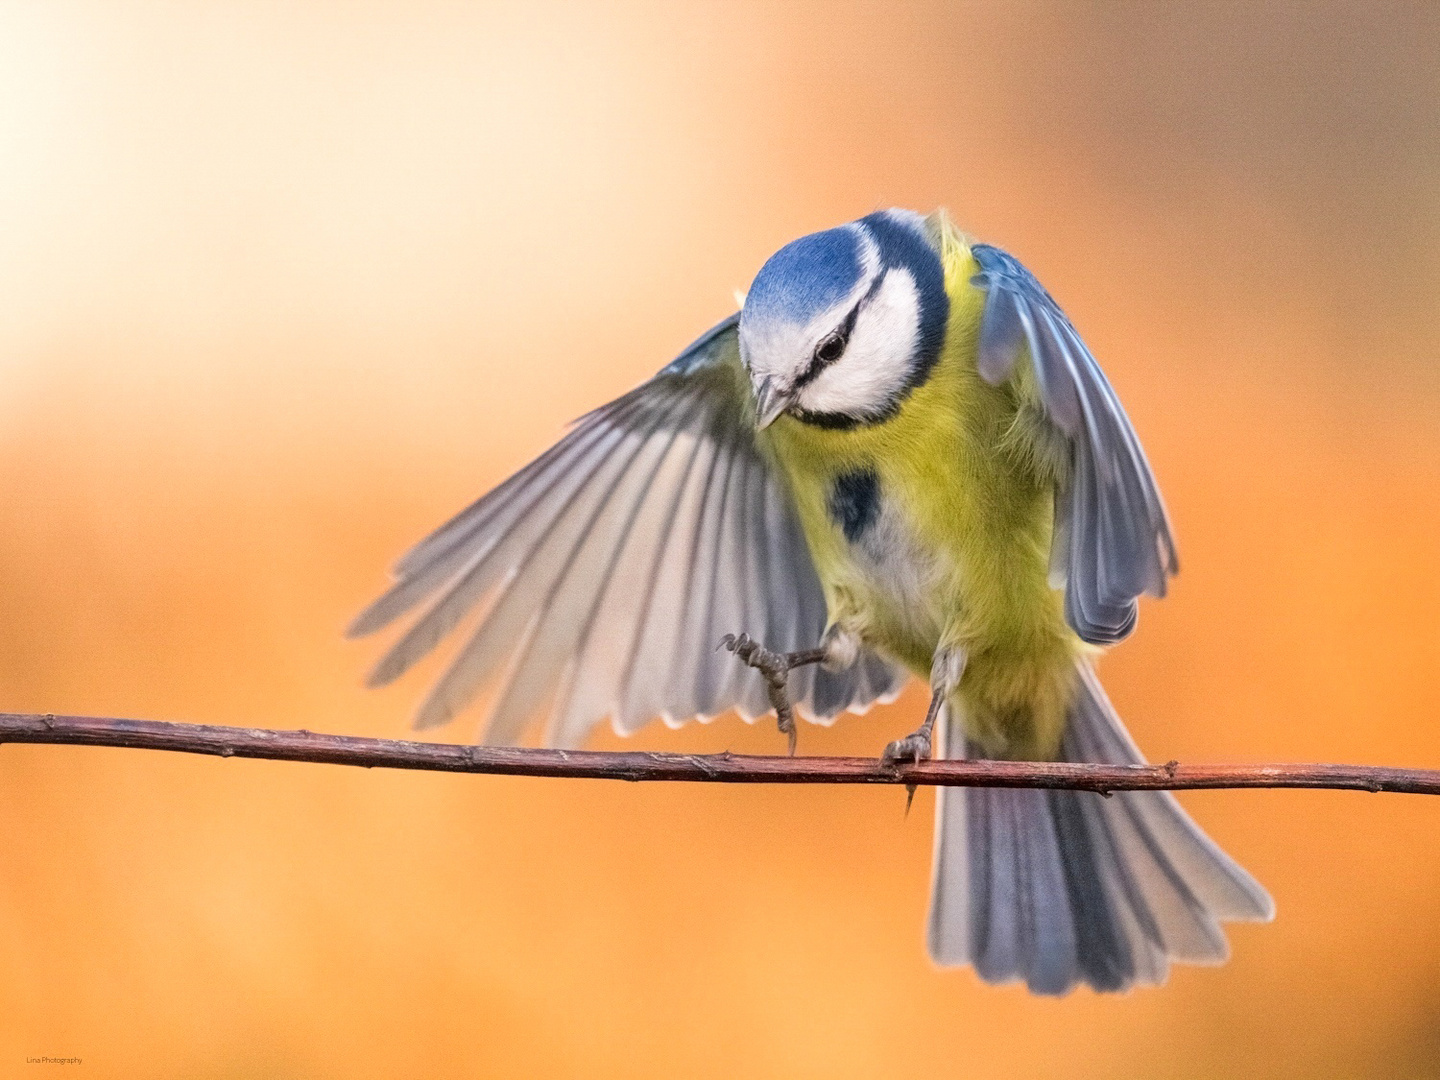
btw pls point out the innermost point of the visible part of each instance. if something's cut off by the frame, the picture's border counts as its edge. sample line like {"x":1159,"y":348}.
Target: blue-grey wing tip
{"x":370,"y":620}
{"x":385,"y":672}
{"x":431,"y":716}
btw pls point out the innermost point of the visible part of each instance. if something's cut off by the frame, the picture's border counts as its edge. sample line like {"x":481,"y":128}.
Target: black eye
{"x":830,"y":348}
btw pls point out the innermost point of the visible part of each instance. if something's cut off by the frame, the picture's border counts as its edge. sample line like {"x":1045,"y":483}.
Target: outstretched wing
{"x":1112,"y":539}
{"x":610,"y":567}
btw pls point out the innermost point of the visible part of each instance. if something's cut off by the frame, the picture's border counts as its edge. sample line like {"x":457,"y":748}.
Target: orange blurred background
{"x":282,"y":285}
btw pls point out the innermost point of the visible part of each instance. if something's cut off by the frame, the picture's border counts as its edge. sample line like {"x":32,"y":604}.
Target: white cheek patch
{"x":879,"y":358}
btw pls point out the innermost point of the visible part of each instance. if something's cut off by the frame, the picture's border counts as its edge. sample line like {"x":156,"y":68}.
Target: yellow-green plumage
{"x":968,"y":471}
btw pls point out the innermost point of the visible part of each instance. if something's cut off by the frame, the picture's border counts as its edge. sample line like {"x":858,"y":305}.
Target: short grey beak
{"x":769,"y":403}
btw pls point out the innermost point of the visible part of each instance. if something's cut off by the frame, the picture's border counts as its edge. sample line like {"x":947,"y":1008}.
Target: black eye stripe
{"x":841,"y":334}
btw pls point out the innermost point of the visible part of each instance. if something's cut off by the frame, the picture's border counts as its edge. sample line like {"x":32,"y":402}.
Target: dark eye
{"x":830,"y":348}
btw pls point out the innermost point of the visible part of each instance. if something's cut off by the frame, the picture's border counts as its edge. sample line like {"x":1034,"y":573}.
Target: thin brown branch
{"x":717,"y":768}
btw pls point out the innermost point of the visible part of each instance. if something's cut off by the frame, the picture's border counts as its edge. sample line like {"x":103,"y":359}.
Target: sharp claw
{"x":911,"y":749}
{"x":731,"y":642}
{"x":784,"y":717}
{"x":775,"y":669}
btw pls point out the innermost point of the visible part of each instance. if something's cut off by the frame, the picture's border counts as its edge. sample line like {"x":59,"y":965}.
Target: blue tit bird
{"x":897,"y":459}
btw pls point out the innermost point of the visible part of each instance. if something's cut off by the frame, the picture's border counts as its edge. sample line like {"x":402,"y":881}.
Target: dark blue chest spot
{"x":855,"y":502}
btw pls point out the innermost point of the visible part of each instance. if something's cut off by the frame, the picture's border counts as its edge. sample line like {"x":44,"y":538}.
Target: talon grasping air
{"x":776,"y":668}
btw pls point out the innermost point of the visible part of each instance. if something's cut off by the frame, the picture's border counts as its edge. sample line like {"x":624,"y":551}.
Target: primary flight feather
{"x":898,"y":458}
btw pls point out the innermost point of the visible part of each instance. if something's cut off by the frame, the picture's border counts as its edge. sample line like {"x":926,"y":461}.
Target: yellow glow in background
{"x":284,"y":285}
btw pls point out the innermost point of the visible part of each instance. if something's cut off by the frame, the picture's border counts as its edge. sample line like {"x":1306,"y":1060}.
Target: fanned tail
{"x":1065,"y":887}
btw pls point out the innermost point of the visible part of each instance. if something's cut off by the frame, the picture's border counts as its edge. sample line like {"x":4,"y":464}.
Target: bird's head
{"x":840,"y":325}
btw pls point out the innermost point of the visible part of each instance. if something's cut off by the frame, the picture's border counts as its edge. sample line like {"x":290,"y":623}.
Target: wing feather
{"x":615,"y":626}
{"x":751,"y":700}
{"x":656,"y":657}
{"x":608,"y":569}
{"x":550,"y":481}
{"x":575,"y":594}
{"x":1112,"y":539}
{"x":528,"y":588}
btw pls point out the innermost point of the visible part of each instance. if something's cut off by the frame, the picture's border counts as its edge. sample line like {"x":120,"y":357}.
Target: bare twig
{"x":718,"y":768}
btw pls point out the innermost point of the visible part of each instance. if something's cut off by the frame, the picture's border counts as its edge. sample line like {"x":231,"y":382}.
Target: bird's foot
{"x":945,"y":672}
{"x":775,"y":668}
{"x":914,"y":747}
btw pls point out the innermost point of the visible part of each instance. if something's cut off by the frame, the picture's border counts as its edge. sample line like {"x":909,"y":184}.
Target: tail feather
{"x":1065,"y":887}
